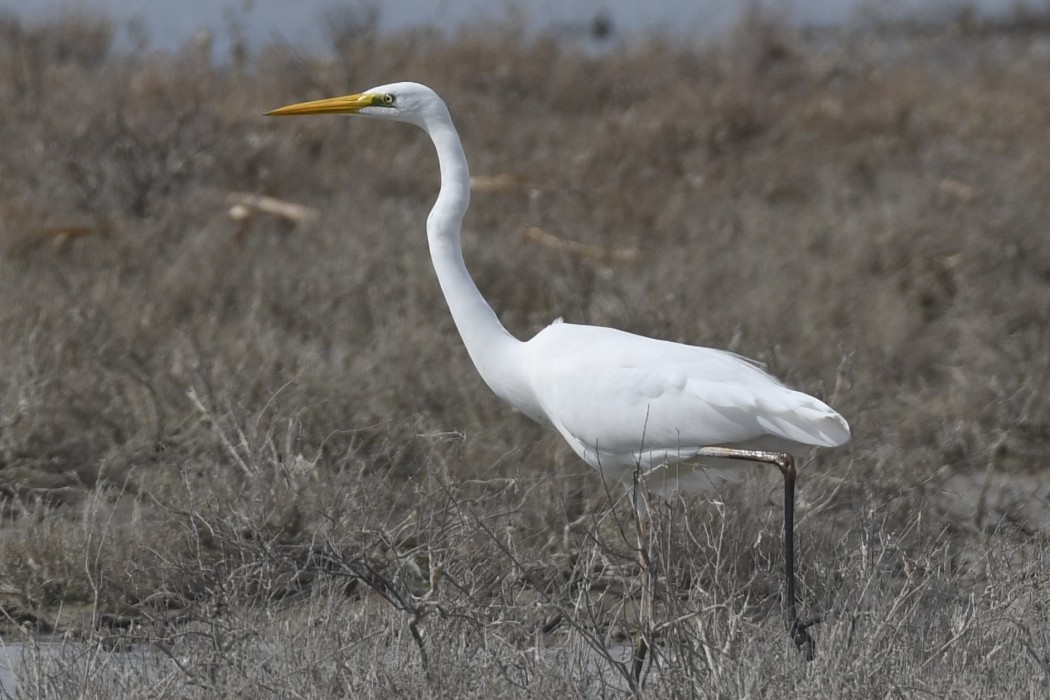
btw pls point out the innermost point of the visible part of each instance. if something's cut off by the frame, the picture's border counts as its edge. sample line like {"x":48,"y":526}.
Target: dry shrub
{"x":257,"y":444}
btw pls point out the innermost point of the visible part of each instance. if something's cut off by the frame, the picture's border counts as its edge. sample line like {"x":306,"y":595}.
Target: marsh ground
{"x":255,"y":445}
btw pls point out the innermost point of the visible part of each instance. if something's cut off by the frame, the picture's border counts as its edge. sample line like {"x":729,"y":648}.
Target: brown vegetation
{"x":271,"y":469}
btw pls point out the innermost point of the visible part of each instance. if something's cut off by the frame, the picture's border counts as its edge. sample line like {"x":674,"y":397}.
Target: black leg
{"x":786,"y":464}
{"x":641,"y":520}
{"x":797,"y":629}
{"x":641,"y":645}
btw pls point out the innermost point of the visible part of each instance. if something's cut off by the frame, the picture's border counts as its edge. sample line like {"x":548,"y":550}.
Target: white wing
{"x":619,"y":398}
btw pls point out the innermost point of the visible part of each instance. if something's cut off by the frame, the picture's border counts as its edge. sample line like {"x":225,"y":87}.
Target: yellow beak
{"x":333,"y":105}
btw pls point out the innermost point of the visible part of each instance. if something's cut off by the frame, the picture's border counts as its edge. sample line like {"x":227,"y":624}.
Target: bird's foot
{"x":799,"y":632}
{"x":641,"y":648}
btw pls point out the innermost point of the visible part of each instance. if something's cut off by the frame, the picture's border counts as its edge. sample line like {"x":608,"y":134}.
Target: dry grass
{"x":254,"y":450}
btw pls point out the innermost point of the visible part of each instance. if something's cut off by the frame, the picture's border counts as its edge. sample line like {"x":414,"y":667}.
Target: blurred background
{"x":227,"y":376}
{"x":593,"y":22}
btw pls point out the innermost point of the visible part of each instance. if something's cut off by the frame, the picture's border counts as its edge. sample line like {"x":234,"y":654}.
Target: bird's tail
{"x":806,"y":421}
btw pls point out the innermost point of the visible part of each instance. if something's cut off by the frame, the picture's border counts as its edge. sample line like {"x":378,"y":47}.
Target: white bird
{"x":623,"y":402}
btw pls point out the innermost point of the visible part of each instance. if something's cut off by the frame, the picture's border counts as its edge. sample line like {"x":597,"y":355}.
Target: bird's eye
{"x":388,"y":100}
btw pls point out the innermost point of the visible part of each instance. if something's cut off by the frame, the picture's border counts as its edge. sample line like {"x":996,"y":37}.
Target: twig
{"x":243,"y":203}
{"x":583,"y":250}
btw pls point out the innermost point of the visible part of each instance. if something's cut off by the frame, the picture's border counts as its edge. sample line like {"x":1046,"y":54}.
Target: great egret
{"x":624,"y":403}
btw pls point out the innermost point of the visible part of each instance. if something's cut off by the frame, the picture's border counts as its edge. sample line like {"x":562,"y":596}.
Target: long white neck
{"x":495,"y":352}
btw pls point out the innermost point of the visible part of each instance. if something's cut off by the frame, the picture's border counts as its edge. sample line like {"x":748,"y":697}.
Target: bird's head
{"x":404,"y":102}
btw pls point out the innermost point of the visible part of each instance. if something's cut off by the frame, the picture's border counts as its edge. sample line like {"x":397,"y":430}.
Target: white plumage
{"x":619,"y":399}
